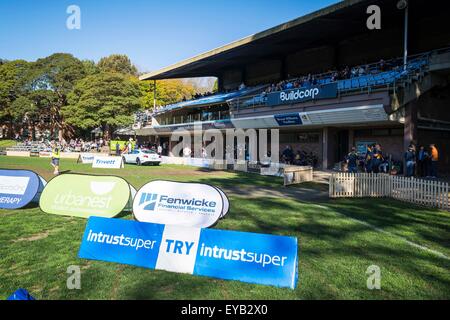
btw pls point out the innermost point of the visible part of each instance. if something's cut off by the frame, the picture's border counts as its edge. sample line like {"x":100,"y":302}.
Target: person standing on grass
{"x":434,"y":161}
{"x":369,"y":159}
{"x":422,"y":156}
{"x":55,"y":158}
{"x":352,"y":159}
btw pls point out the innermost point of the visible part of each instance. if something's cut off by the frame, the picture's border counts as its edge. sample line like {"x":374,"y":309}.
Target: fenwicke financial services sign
{"x":299,"y":95}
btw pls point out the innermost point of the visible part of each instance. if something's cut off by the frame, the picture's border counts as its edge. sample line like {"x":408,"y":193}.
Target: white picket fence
{"x":418,"y":191}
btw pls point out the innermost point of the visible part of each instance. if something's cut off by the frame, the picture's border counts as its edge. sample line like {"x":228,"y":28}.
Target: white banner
{"x":177,"y":203}
{"x":108,"y":162}
{"x":86,"y":158}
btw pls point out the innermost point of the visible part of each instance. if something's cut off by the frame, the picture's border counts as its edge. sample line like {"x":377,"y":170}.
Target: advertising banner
{"x":86,"y":158}
{"x":288,"y":119}
{"x":299,"y":95}
{"x":178,"y":203}
{"x":231,"y":255}
{"x":81,"y":195}
{"x":107,"y":162}
{"x":19,"y":187}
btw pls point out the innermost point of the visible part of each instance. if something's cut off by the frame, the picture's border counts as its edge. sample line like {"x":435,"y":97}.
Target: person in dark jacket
{"x":352,"y":162}
{"x":410,"y":161}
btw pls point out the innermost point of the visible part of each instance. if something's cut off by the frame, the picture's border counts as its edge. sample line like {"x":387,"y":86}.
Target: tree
{"x":12,"y":75}
{"x":106,"y":100}
{"x":119,"y":63}
{"x":167,"y":92}
{"x":53,"y":78}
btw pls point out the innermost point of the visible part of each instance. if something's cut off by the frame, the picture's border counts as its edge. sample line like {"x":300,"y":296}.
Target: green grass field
{"x":338,"y":241}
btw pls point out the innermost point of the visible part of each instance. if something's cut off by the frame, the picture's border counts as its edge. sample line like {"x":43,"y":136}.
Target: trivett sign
{"x":177,"y":203}
{"x":86,"y":158}
{"x":19,"y":187}
{"x":83,"y":196}
{"x":299,"y":95}
{"x":249,"y":257}
{"x":107,"y":162}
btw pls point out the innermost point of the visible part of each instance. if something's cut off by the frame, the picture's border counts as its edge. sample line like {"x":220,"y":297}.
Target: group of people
{"x":372,"y":162}
{"x":299,"y":158}
{"x":421,"y":163}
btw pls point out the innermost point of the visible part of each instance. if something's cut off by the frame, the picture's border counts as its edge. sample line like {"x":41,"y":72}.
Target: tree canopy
{"x":117,"y":63}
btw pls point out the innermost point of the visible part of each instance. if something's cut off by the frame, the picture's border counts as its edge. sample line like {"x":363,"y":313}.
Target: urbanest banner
{"x":108,"y":162}
{"x":231,"y":255}
{"x":178,"y":203}
{"x":18,"y":188}
{"x":86,"y":195}
{"x":299,"y":95}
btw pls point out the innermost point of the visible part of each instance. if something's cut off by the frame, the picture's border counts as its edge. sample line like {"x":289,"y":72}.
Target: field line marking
{"x":413,"y":244}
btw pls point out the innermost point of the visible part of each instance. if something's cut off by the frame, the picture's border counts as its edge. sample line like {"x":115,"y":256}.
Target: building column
{"x":410,"y":127}
{"x":325,"y":138}
{"x":351,"y":138}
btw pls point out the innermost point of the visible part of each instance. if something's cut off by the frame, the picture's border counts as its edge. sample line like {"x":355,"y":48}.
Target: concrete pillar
{"x":351,"y":142}
{"x":410,"y":127}
{"x":325,"y":139}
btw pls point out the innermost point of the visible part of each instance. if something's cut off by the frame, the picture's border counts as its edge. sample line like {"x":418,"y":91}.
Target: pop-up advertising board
{"x":86,"y":158}
{"x":19,"y":187}
{"x":244,"y":256}
{"x":107,"y":162}
{"x":85,"y":195}
{"x":178,"y":203}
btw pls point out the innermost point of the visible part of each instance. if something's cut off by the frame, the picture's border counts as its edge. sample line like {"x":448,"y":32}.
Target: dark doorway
{"x":341,"y":149}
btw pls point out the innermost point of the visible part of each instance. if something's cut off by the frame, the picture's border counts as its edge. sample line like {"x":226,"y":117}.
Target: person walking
{"x":377,"y":158}
{"x":117,"y":149}
{"x":434,"y":154}
{"x":55,"y":158}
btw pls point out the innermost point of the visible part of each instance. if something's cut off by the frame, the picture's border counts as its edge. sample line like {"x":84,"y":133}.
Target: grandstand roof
{"x":323,"y":27}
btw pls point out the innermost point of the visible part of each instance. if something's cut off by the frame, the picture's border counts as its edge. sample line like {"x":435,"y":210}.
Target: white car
{"x":143,"y":156}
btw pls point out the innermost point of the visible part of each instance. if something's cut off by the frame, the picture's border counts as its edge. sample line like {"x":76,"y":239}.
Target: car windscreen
{"x":148,"y":151}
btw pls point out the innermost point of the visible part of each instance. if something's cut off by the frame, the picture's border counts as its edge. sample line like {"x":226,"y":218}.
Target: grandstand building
{"x":327,"y":82}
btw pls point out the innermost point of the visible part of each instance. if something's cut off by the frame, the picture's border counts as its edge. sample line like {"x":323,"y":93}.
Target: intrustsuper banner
{"x":19,"y":187}
{"x":86,"y":158}
{"x":86,"y":195}
{"x":249,"y":257}
{"x":107,"y":162}
{"x":178,"y":203}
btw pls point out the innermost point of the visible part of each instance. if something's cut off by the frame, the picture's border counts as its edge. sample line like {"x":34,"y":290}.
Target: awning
{"x":210,"y":100}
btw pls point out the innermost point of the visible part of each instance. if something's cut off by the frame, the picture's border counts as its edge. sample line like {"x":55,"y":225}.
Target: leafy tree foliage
{"x":117,"y":63}
{"x":105,"y":100}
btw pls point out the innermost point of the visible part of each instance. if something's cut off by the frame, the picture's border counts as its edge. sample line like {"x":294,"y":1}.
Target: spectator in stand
{"x":242,"y":86}
{"x":434,"y":161}
{"x":410,"y":161}
{"x":352,"y":161}
{"x":361,"y":71}
{"x":382,"y":65}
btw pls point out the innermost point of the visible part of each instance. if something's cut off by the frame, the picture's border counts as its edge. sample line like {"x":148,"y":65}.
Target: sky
{"x":154,"y":34}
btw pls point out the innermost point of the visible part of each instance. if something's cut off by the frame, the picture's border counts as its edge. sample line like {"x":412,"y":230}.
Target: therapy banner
{"x":19,"y":187}
{"x":82,"y":195}
{"x":179,"y":203}
{"x":299,"y":95}
{"x":108,"y":162}
{"x":231,"y":255}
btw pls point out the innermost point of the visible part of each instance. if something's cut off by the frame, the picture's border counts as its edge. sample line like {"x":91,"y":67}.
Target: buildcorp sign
{"x":299,"y":95}
{"x":177,"y":203}
{"x":84,"y":195}
{"x":244,"y":256}
{"x":19,"y":187}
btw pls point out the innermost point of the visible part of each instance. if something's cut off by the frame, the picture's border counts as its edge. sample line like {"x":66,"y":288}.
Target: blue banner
{"x":232,"y":255}
{"x":288,"y":119}
{"x":18,"y":188}
{"x":299,"y":95}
